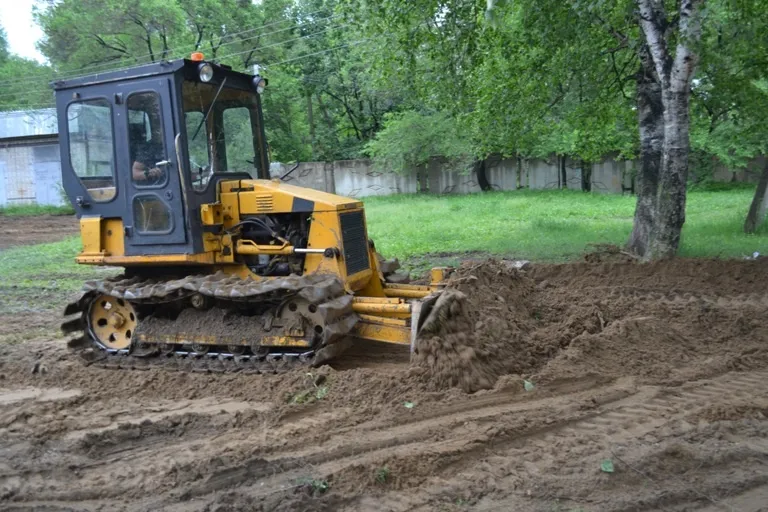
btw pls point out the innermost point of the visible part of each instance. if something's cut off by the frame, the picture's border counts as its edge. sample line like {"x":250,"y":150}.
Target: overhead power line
{"x":21,"y":107}
{"x":180,"y":51}
{"x":222,"y":57}
{"x":353,"y":43}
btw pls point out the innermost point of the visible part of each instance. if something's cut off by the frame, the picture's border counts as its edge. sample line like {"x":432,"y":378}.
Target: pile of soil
{"x":479,"y":329}
{"x":668,"y":321}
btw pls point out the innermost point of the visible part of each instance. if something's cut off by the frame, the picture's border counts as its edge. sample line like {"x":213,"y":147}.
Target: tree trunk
{"x":651,"y":121}
{"x":671,"y":195}
{"x":675,"y":74}
{"x":482,"y":178}
{"x":311,"y":119}
{"x":563,"y":172}
{"x":759,"y":204}
{"x":586,"y":176}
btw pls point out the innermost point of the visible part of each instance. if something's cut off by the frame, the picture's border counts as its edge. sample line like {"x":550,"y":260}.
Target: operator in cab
{"x":145,"y":142}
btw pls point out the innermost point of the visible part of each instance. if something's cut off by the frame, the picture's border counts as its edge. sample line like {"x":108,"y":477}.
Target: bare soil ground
{"x":38,"y":229}
{"x":649,"y":393}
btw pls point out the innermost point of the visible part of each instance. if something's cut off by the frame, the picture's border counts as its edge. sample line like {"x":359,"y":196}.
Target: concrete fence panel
{"x":502,"y":174}
{"x":444,"y":181}
{"x":572,"y":177}
{"x":307,"y":174}
{"x":606,"y":177}
{"x":359,"y":178}
{"x":543,"y":175}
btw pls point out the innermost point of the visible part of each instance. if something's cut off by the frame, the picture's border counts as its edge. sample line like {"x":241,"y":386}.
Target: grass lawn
{"x":550,"y":225}
{"x":537,"y":225}
{"x":35,"y":209}
{"x":35,"y":277}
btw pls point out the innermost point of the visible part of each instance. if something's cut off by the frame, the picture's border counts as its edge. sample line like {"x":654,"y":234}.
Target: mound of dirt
{"x":478,"y":329}
{"x":669,"y":321}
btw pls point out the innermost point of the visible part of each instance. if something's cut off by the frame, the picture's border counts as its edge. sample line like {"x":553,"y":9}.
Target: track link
{"x":326,"y":293}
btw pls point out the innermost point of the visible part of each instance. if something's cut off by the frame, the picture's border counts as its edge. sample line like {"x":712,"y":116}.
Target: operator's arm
{"x":138,"y":171}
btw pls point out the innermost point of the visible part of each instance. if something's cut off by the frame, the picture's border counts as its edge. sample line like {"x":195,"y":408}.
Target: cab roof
{"x":187,"y":69}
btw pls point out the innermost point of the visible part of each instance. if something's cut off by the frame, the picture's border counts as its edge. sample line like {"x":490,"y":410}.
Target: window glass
{"x":151,"y":215}
{"x":91,"y":147}
{"x":198,"y":149}
{"x":224,"y":142}
{"x":238,"y":135}
{"x":145,"y":140}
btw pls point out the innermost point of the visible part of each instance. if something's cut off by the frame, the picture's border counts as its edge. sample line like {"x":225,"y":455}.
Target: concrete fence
{"x":30,"y":172}
{"x":361,"y":178}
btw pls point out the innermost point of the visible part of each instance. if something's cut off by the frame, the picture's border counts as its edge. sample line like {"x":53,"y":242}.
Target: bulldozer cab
{"x":149,"y":145}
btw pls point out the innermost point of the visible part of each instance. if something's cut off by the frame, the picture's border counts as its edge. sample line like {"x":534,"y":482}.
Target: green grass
{"x":41,"y":277}
{"x":36,"y":282}
{"x":549,"y":225}
{"x":536,"y":225}
{"x":35,"y":209}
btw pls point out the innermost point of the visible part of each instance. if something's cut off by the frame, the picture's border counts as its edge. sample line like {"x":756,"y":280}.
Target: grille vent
{"x":355,"y":242}
{"x":264,"y":203}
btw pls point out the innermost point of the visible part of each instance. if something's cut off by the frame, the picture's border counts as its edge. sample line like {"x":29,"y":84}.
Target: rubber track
{"x":324,"y":290}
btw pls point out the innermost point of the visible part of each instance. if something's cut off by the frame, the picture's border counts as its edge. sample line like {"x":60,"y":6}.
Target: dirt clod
{"x":477,"y":329}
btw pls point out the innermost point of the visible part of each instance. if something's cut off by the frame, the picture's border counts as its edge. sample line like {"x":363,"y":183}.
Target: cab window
{"x":145,"y":140}
{"x":238,"y":139}
{"x":91,"y":147}
{"x":219,"y":129}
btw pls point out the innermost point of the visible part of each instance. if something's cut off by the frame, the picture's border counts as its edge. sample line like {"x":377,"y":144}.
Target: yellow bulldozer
{"x":167,"y":167}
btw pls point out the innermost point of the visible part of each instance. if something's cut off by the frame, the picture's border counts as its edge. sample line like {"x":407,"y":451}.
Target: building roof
{"x":28,"y":123}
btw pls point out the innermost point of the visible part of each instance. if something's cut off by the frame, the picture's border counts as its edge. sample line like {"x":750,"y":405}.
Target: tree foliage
{"x":3,"y":46}
{"x":404,"y":80}
{"x":409,"y":139}
{"x":15,"y":94}
{"x":323,"y":103}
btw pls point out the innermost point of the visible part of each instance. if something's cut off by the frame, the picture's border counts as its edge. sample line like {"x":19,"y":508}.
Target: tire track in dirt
{"x":452,"y":447}
{"x":625,"y":420}
{"x":143,"y":441}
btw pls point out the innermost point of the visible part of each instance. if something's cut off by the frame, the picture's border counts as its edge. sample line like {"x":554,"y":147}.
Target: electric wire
{"x":179,"y":50}
{"x":235,"y":54}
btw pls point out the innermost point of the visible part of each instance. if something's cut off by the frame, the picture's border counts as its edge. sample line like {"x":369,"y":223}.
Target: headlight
{"x":259,"y":84}
{"x":206,"y":72}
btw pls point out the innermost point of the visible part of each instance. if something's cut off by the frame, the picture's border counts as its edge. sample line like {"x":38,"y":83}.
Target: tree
{"x":3,"y":46}
{"x":409,"y":139}
{"x":673,"y":71}
{"x":547,"y":76}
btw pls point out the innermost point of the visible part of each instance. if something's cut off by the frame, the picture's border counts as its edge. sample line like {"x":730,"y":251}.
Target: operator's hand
{"x":155,"y":172}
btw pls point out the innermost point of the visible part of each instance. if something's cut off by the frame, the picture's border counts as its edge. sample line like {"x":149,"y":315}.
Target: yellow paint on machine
{"x":385,"y":309}
{"x":398,"y":334}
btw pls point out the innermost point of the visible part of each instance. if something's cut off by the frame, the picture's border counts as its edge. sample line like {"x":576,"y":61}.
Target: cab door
{"x":154,"y":216}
